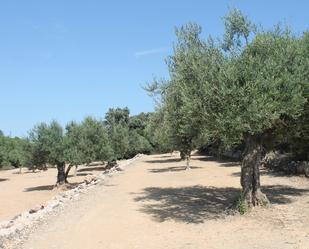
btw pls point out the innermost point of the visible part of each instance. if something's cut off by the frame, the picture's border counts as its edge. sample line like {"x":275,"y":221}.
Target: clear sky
{"x":66,"y":59}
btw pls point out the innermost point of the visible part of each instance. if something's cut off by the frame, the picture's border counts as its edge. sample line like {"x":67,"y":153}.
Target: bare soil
{"x":156,"y":203}
{"x":20,"y":192}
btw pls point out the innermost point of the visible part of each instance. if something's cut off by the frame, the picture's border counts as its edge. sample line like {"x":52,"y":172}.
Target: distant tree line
{"x":14,"y":152}
{"x":118,"y":136}
{"x":248,"y":90}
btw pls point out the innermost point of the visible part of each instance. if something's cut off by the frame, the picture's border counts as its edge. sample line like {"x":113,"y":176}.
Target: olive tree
{"x":117,"y":123}
{"x":49,"y":147}
{"x":86,"y":142}
{"x":179,"y":95}
{"x":14,"y":151}
{"x":157,"y":132}
{"x":239,"y":91}
{"x":74,"y":147}
{"x":261,"y":86}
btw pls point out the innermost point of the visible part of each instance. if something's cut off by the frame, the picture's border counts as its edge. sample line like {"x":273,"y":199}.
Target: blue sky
{"x":66,"y":59}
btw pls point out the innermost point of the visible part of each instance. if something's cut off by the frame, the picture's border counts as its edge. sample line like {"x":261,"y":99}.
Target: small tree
{"x":117,"y":123}
{"x":178,"y":94}
{"x":74,"y":147}
{"x":48,"y":147}
{"x":95,"y":140}
{"x":86,"y":142}
{"x":182,"y":134}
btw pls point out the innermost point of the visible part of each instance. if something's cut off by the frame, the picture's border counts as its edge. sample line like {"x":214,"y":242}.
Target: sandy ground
{"x":155,"y":203}
{"x":20,"y":192}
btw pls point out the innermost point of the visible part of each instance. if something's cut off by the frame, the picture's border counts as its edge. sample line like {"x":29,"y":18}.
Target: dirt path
{"x":154,"y":203}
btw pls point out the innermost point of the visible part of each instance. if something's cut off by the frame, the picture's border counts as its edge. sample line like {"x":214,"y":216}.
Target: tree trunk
{"x":182,"y":155}
{"x":188,"y":163}
{"x":67,"y":173}
{"x":188,"y":159}
{"x":250,"y":172}
{"x":75,"y":171}
{"x":61,"y":173}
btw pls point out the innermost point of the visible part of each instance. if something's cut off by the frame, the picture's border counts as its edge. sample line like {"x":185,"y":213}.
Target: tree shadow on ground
{"x":197,"y":204}
{"x":170,"y":160}
{"x":267,"y":172}
{"x":166,"y":156}
{"x":78,"y":174}
{"x":229,"y":164}
{"x":28,"y":172}
{"x":224,"y":162}
{"x":187,"y":204}
{"x":282,"y":194}
{"x":4,"y":179}
{"x":91,"y":169}
{"x":51,"y":187}
{"x":172,"y":169}
{"x":40,"y":188}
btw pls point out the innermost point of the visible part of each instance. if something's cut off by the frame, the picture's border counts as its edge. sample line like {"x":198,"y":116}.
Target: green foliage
{"x":253,"y":83}
{"x":139,"y":122}
{"x":223,"y":96}
{"x":117,"y":116}
{"x":138,"y":140}
{"x":3,"y":149}
{"x":157,"y":133}
{"x":176,"y":94}
{"x":18,"y":155}
{"x":75,"y":145}
{"x":117,"y":122}
{"x":95,"y":140}
{"x":119,"y":137}
{"x":237,"y":26}
{"x":14,"y":152}
{"x":138,"y":144}
{"x":261,"y":88}
{"x":127,"y":134}
{"x":48,"y":144}
{"x":297,"y":134}
{"x":87,"y":142}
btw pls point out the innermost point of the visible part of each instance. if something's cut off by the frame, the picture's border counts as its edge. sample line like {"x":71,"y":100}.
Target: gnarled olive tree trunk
{"x":250,"y":172}
{"x":67,"y":173}
{"x":61,"y":173}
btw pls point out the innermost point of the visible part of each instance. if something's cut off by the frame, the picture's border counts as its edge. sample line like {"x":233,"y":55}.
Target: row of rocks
{"x":285,"y":163}
{"x":8,"y":229}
